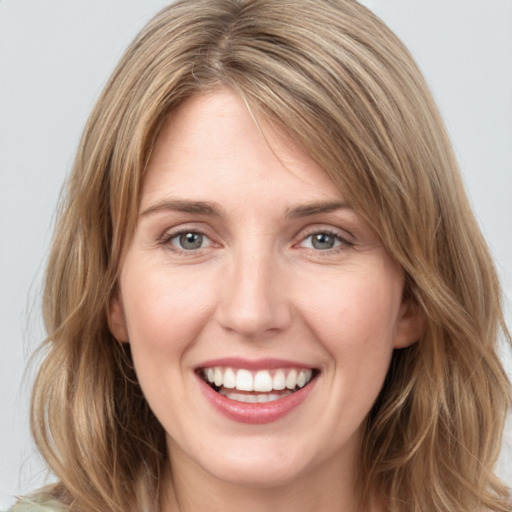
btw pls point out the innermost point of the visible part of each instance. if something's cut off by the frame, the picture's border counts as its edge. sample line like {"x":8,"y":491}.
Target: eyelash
{"x":343,"y":243}
{"x":167,"y":239}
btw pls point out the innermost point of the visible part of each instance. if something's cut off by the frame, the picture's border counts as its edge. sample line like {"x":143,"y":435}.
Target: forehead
{"x":213,"y":140}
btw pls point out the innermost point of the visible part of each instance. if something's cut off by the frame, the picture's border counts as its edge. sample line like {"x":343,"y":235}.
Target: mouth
{"x":251,"y":386}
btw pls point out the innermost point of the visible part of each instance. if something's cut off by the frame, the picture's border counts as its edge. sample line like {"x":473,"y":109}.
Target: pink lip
{"x":252,"y":364}
{"x":258,"y":413}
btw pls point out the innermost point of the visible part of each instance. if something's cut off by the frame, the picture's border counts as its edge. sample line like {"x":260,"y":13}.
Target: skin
{"x":257,"y":287}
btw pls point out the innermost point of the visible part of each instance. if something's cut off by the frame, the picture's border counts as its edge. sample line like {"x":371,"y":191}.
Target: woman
{"x":267,"y":289}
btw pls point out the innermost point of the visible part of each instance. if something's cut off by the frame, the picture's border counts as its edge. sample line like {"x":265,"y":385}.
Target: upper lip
{"x":253,"y":364}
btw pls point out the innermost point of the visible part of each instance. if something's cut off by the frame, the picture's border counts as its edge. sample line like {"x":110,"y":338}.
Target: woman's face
{"x":249,"y":270}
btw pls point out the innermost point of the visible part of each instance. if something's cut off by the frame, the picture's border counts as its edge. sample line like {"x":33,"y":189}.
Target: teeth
{"x":218,"y":377}
{"x":291,"y":380}
{"x":261,"y":381}
{"x":279,"y":380}
{"x":244,"y":381}
{"x":229,"y":378}
{"x":253,"y":399}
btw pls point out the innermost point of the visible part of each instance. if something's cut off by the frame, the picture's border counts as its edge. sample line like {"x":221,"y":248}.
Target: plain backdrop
{"x":55,"y":55}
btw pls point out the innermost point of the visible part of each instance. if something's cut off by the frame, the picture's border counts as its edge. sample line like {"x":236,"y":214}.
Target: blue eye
{"x":189,"y":240}
{"x":323,"y":241}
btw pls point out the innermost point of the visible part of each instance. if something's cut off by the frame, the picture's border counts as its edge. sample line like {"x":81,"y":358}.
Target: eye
{"x":324,"y":241}
{"x":188,"y":240}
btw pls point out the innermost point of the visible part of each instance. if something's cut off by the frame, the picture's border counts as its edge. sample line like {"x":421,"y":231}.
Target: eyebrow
{"x":213,"y":210}
{"x":184,"y":206}
{"x":307,"y":210}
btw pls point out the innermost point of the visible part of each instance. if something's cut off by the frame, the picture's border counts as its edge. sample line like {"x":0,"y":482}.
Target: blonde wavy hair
{"x":339,"y":82}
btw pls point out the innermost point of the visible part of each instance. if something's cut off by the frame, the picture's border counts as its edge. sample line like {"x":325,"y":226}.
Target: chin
{"x":259,"y":462}
{"x":257,"y":474}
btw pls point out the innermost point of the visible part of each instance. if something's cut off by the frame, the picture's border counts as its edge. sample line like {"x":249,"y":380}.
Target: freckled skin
{"x":257,"y":285}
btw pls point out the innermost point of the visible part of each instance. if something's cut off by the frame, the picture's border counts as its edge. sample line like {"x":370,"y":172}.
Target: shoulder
{"x":37,"y":504}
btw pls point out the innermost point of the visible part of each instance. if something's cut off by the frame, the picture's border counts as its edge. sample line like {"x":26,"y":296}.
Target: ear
{"x":411,"y":324}
{"x":117,"y":319}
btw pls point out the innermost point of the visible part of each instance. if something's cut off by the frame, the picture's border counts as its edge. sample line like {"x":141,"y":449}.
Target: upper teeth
{"x":262,"y":380}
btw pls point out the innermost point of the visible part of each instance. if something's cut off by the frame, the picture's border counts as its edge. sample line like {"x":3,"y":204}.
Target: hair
{"x":332,"y":76}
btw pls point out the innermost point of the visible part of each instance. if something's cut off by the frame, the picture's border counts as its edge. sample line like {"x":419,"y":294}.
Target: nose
{"x":253,"y":300}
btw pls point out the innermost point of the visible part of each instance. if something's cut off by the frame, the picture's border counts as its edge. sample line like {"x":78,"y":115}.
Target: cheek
{"x":355,"y":317}
{"x":164,"y":311}
{"x":164,"y":315}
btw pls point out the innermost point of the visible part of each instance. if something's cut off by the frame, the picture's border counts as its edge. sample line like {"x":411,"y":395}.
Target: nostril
{"x":253,"y":303}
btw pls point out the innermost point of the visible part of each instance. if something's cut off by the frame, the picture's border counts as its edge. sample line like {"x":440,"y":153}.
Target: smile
{"x":267,"y":385}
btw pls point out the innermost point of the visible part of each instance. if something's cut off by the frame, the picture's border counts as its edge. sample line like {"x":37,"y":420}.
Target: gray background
{"x":55,"y":55}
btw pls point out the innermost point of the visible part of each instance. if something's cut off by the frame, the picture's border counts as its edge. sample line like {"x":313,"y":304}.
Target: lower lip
{"x":258,"y":413}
